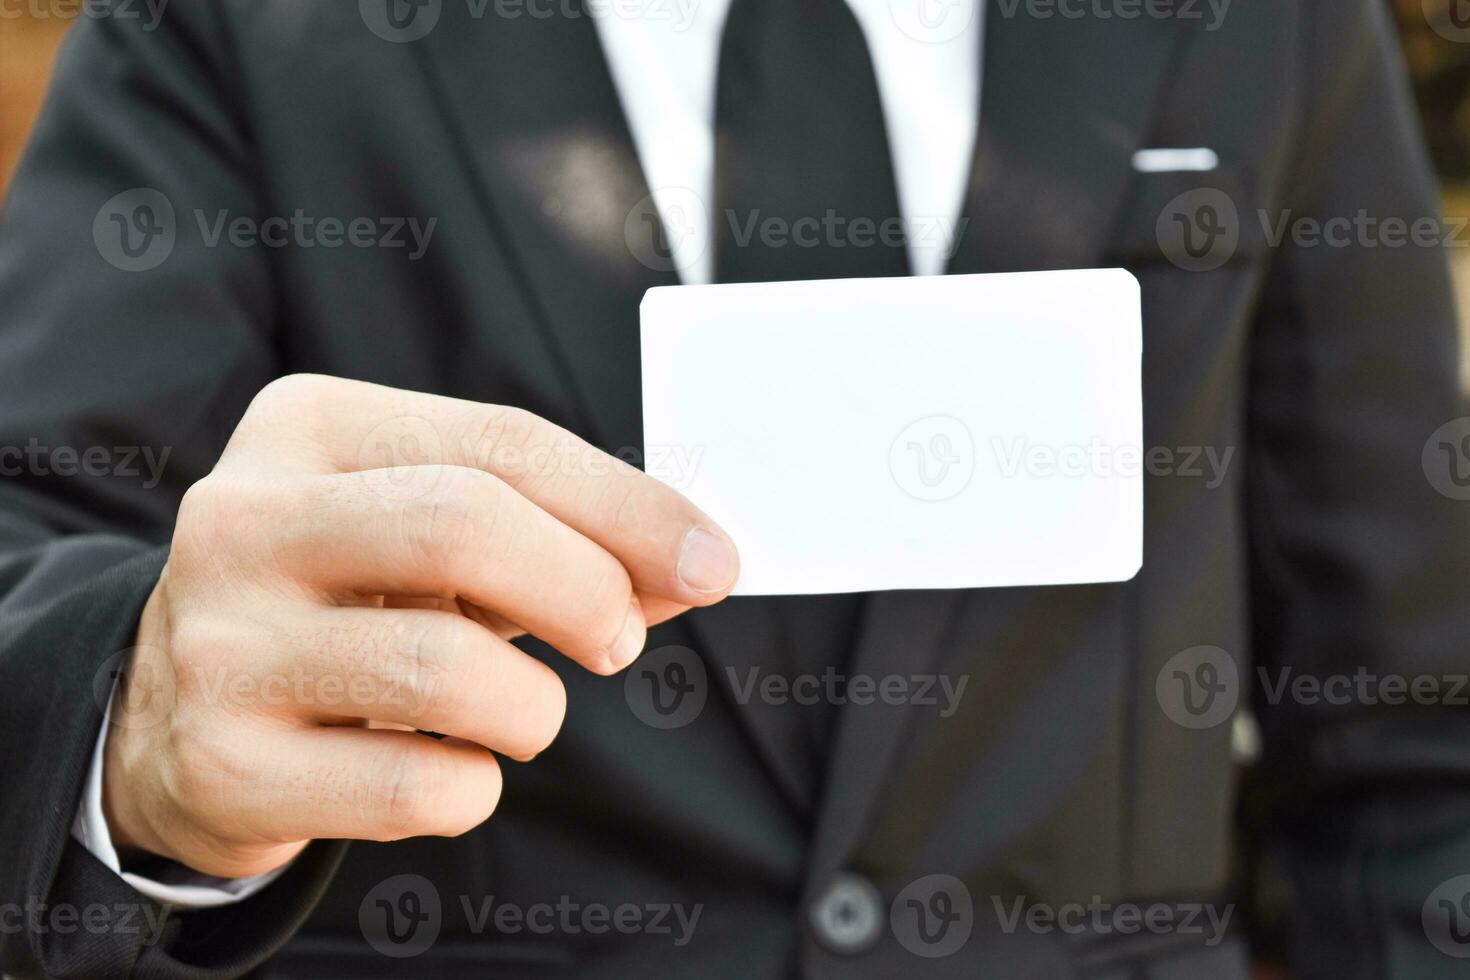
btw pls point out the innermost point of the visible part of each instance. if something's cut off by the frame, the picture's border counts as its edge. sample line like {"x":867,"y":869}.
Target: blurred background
{"x":1435,"y":33}
{"x":1436,"y":41}
{"x":28,"y":41}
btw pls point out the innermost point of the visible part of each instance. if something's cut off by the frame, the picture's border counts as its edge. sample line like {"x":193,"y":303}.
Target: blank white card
{"x":921,"y":433}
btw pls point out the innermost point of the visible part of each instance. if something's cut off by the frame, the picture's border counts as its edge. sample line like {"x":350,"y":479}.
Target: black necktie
{"x":804,"y":189}
{"x":804,"y":185}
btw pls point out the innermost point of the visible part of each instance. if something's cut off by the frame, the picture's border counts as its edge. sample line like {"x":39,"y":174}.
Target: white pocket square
{"x":1175,"y":160}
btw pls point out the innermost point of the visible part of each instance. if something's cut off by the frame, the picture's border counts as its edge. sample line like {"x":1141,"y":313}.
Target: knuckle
{"x":201,"y":658}
{"x":198,"y":514}
{"x":402,"y":795}
{"x":290,"y":392}
{"x":447,"y":525}
{"x":194,"y":641}
{"x":200,"y":765}
{"x":183,"y":773}
{"x":291,"y":403}
{"x":496,"y":437}
{"x":416,"y":662}
{"x":218,"y":514}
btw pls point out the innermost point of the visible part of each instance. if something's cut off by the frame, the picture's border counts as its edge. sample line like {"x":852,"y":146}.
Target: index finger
{"x":670,"y":548}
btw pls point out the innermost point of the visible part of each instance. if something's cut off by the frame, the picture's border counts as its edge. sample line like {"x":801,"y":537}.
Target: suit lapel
{"x":533,"y":105}
{"x":1066,"y":103}
{"x":557,"y":174}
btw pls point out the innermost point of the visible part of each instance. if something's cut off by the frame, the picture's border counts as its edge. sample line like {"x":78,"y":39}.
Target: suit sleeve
{"x":129,"y":348}
{"x":1360,"y":535}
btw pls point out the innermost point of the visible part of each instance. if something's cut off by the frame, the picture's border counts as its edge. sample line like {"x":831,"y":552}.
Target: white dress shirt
{"x":663,"y":56}
{"x":925,"y":53}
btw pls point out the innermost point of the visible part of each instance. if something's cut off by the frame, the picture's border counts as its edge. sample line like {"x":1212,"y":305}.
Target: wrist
{"x":128,"y":719}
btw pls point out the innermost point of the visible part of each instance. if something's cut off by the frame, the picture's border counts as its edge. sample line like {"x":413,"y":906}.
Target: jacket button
{"x":847,"y":917}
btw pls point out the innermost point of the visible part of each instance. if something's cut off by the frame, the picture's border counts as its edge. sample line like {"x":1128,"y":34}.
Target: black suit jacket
{"x":1060,"y":779}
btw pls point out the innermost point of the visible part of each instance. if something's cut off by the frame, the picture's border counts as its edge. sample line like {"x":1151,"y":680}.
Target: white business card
{"x":940,"y":432}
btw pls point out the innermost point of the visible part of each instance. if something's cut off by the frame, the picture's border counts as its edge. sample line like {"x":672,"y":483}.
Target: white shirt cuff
{"x":185,"y":887}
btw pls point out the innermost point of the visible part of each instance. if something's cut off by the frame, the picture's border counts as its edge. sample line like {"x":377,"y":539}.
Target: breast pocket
{"x":1196,"y":221}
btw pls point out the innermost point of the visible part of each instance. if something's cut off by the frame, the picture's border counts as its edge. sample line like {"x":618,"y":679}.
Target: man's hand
{"x":353,"y":569}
